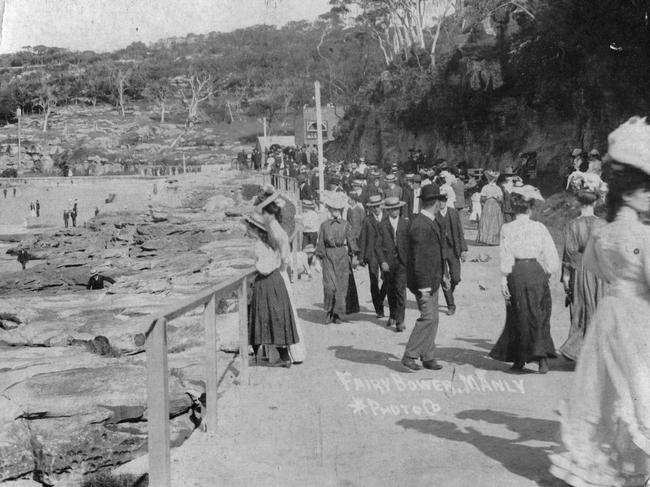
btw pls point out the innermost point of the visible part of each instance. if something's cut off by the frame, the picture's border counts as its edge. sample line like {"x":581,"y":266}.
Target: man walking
{"x":38,"y":209}
{"x":454,"y":249}
{"x":368,"y":243}
{"x":424,"y":276}
{"x":393,"y":256}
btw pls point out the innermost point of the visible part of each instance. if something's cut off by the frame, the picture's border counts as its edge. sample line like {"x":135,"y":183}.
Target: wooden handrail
{"x":155,"y":340}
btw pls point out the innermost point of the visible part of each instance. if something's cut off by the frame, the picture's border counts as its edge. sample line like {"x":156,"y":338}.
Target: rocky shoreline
{"x":72,"y":388}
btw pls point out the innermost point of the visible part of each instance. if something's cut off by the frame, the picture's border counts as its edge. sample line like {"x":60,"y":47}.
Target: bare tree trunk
{"x":47,"y":111}
{"x":232,"y":119}
{"x":162,"y":111}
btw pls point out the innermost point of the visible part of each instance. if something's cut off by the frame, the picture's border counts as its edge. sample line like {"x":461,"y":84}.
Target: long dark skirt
{"x":270,"y":319}
{"x":352,"y":298}
{"x":527,"y":334}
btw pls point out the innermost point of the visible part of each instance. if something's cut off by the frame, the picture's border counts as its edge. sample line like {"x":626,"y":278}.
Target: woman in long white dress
{"x":606,"y":419}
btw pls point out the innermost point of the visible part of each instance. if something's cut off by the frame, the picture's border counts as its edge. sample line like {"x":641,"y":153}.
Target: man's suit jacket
{"x":306,"y":192}
{"x":393,"y":246}
{"x":369,"y":241}
{"x":424,"y":268}
{"x":407,"y":197}
{"x":457,"y":233}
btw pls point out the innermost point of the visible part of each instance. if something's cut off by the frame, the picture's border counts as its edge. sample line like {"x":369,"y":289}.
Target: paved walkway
{"x":351,"y":416}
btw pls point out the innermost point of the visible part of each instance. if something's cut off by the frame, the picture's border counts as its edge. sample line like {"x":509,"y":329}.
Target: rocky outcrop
{"x":72,"y":367}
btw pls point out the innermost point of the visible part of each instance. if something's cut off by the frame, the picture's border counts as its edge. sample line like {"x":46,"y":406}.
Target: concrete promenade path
{"x":351,"y":415}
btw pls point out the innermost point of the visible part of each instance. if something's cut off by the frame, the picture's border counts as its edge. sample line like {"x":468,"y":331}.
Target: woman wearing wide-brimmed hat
{"x":336,"y":248}
{"x":528,"y":258}
{"x":583,"y":288}
{"x":270,"y":205}
{"x":489,"y":226}
{"x":606,"y":420}
{"x":271,"y":318}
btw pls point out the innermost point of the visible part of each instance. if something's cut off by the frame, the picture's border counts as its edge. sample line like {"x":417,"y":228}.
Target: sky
{"x":105,"y":25}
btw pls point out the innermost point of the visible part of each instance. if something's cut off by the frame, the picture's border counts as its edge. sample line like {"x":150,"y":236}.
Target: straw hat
{"x":491,"y":175}
{"x":576,"y":152}
{"x":629,"y":144}
{"x":392,"y":203}
{"x":374,"y":200}
{"x":336,"y":201}
{"x":391,"y":178}
{"x":528,"y":191}
{"x":309,"y":249}
{"x":269,"y":195}
{"x":308,"y":204}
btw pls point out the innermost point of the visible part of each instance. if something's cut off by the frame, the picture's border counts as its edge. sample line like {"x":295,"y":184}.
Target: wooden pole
{"x":158,"y":406}
{"x":319,"y":124}
{"x":243,"y":331}
{"x":210,"y":326}
{"x":19,"y":112}
{"x":184,"y":165}
{"x":262,"y":149}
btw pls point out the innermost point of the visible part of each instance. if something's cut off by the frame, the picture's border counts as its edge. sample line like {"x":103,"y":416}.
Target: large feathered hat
{"x":630,"y":144}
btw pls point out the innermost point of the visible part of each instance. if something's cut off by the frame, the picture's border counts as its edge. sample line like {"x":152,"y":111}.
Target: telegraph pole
{"x":263,"y":150}
{"x":19,"y":115}
{"x":319,"y":125}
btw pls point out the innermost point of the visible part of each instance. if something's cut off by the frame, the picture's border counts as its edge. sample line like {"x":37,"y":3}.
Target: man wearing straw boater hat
{"x":393,"y":257}
{"x":368,"y":243}
{"x":424,"y":276}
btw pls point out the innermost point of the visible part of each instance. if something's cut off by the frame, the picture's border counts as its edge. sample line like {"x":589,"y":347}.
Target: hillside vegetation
{"x":474,"y":80}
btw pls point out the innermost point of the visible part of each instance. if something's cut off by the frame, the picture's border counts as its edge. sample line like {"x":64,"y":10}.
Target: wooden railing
{"x":287,"y":185}
{"x":155,"y":340}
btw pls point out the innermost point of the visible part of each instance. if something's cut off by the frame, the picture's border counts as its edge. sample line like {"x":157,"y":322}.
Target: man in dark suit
{"x":424,"y":276}
{"x":393,"y":256}
{"x":368,"y":242}
{"x":454,"y":250}
{"x":306,"y":192}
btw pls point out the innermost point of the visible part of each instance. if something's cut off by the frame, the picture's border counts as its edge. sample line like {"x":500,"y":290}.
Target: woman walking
{"x":270,"y":205}
{"x":336,"y":248}
{"x":528,"y":258}
{"x":271,"y":320}
{"x":606,"y":420}
{"x":583,"y":288}
{"x":491,"y":220}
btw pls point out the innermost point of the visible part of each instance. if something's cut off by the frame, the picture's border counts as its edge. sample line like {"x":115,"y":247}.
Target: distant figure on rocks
{"x":38,"y":209}
{"x":32,"y":210}
{"x":66,"y":217}
{"x":14,"y":192}
{"x":96,"y":211}
{"x":23,"y":257}
{"x":4,"y":190}
{"x":73,"y":214}
{"x":97,"y":280}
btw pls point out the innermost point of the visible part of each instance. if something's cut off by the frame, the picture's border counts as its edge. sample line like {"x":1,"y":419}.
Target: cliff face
{"x":481,"y":109}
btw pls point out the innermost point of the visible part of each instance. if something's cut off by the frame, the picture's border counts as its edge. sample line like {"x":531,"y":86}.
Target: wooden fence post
{"x":158,"y":406}
{"x":211,"y":380}
{"x":243,"y":331}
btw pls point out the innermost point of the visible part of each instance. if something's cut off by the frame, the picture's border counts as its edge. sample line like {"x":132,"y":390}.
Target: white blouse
{"x":266,"y":259}
{"x":524,"y":238}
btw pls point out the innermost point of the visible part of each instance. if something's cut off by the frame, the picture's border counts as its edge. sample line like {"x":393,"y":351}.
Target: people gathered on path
{"x":409,"y":230}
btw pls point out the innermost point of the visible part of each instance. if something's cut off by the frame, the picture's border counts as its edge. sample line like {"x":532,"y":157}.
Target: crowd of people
{"x":408,"y":231}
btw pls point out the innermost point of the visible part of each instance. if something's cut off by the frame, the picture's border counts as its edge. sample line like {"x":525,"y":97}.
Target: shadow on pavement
{"x":525,"y":461}
{"x":369,"y":357}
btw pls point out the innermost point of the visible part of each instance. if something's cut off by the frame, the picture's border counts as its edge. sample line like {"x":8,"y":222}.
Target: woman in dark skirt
{"x":528,"y":258}
{"x":271,"y":319}
{"x":337,"y":250}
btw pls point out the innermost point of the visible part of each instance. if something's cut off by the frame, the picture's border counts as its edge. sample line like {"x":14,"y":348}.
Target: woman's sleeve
{"x":320,"y":244}
{"x":267,"y":260}
{"x":550,"y":259}
{"x":505,"y":252}
{"x":646,"y":259}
